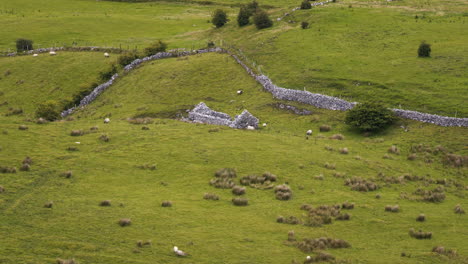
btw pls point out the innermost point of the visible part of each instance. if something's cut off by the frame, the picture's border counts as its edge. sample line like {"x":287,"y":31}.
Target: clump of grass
{"x":421,"y":218}
{"x":420,"y":234}
{"x":329,"y":148}
{"x":147,"y":167}
{"x":378,"y":196}
{"x":104,"y":138}
{"x":330,"y":166}
{"x":76,"y":133}
{"x":94,"y":128}
{"x":392,"y":208}
{"x":145,"y":128}
{"x":291,"y":220}
{"x":436,"y":195}
{"x":14,"y":111}
{"x":458,"y":209}
{"x":72,"y":149}
{"x":166,"y":204}
{"x":265,"y":181}
{"x":344,"y":151}
{"x":238,"y":201}
{"x":226,"y":173}
{"x":339,"y":174}
{"x":125,"y":222}
{"x":140,"y":121}
{"x":27,"y":160}
{"x":291,"y":236}
{"x":49,"y":204}
{"x":337,"y":137}
{"x":67,"y":174}
{"x":41,"y":121}
{"x":2,"y":189}
{"x":320,"y":257}
{"x":343,"y":217}
{"x":394,"y":150}
{"x":324,"y":128}
{"x":361,"y":185}
{"x":442,"y":251}
{"x":213,"y":130}
{"x":412,"y":156}
{"x":25,"y":167}
{"x":454,"y":160}
{"x":211,"y":196}
{"x":347,"y":205}
{"x":386,"y":156}
{"x":283,"y":192}
{"x":7,"y":169}
{"x":238,"y":190}
{"x":23,"y":127}
{"x":308,"y":245}
{"x":141,"y":243}
{"x":222,"y":183}
{"x":66,"y":261}
{"x":105,"y":203}
{"x":321,"y":215}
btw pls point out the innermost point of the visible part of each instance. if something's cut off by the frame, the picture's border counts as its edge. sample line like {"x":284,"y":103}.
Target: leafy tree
{"x":156,"y":47}
{"x":49,"y":110}
{"x":243,"y":16}
{"x":370,"y":117}
{"x":262,"y":20}
{"x":306,"y":4}
{"x":219,"y":18}
{"x":424,"y":50}
{"x":24,"y":44}
{"x":253,"y":7}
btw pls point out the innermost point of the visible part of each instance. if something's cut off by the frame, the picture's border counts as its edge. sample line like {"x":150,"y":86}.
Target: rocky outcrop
{"x":203,"y":114}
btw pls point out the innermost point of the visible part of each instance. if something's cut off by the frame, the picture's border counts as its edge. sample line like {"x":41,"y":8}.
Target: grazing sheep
{"x":106,"y":55}
{"x":35,"y":55}
{"x":179,"y":252}
{"x":106,"y":120}
{"x":250,"y":128}
{"x":309,"y":132}
{"x":239,"y":92}
{"x":53,"y":53}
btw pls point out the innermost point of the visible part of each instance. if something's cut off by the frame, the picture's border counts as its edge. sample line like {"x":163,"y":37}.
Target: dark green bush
{"x":127,"y":58}
{"x":262,"y":20}
{"x":304,"y":25}
{"x":424,"y":50}
{"x":243,"y":16}
{"x":24,"y":45}
{"x":49,"y":110}
{"x":219,"y":18}
{"x":106,"y":75}
{"x":253,"y":7}
{"x":156,"y":47}
{"x":370,"y":117}
{"x":306,"y":4}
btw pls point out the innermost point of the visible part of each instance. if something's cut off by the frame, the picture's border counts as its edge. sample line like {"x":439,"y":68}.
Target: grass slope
{"x":26,"y":81}
{"x":186,"y":155}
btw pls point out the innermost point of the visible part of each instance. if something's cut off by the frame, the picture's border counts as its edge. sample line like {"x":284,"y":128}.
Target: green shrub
{"x":156,"y":47}
{"x":306,"y":4}
{"x":369,"y":117}
{"x":24,"y":45}
{"x":106,"y":75}
{"x":253,"y":7}
{"x":262,"y":20}
{"x":304,"y":25}
{"x":127,"y":58}
{"x":243,"y":16}
{"x":424,"y":50}
{"x":49,"y":110}
{"x":219,"y":18}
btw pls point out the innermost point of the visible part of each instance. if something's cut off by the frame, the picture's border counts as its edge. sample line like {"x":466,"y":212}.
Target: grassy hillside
{"x":26,"y":81}
{"x":187,"y":155}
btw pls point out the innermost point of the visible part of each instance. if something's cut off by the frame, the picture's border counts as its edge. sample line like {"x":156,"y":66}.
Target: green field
{"x":347,"y":50}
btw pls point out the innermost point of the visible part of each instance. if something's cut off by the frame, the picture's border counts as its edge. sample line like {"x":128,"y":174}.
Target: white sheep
{"x":106,"y":120}
{"x":309,"y":132}
{"x":179,"y":252}
{"x":308,"y":257}
{"x":52,"y":53}
{"x":239,"y":92}
{"x":106,"y":55}
{"x":35,"y":55}
{"x":250,"y":128}
{"x":264,"y":124}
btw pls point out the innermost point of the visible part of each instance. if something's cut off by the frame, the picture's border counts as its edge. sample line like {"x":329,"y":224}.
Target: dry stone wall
{"x":203,"y":114}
